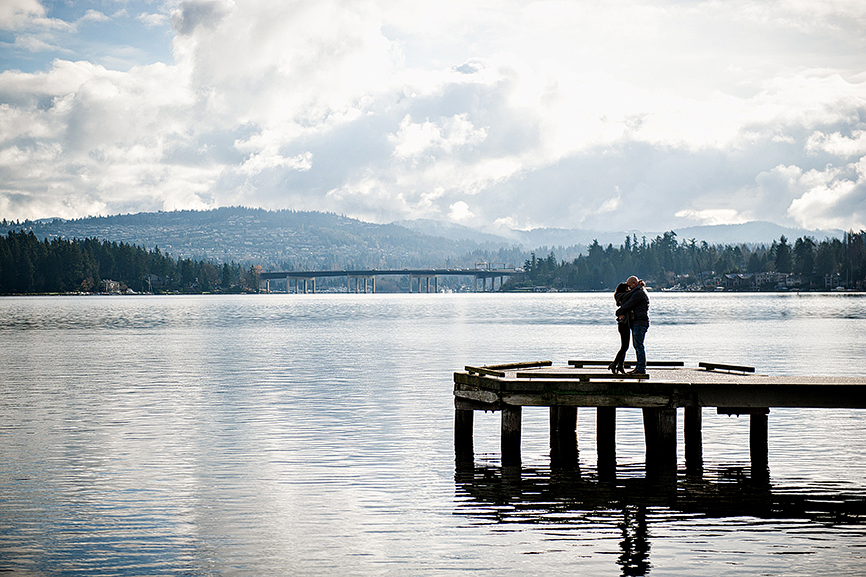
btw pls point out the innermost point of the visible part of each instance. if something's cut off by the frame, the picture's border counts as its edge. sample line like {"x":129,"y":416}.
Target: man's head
{"x":632,"y":282}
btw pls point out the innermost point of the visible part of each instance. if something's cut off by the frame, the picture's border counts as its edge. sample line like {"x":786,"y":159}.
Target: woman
{"x":620,"y":295}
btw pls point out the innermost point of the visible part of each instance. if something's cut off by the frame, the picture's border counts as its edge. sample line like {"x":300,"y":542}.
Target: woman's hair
{"x":621,"y":288}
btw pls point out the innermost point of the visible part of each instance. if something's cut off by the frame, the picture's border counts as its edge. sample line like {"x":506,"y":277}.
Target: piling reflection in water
{"x":568,"y":502}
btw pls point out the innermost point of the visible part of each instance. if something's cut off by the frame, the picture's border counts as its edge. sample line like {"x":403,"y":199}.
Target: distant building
{"x":110,"y":286}
{"x":154,"y":282}
{"x":739,"y":281}
{"x":769,"y":277}
{"x":832,"y":281}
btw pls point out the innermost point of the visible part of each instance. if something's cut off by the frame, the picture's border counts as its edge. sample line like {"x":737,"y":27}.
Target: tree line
{"x":30,"y":266}
{"x":665,"y":262}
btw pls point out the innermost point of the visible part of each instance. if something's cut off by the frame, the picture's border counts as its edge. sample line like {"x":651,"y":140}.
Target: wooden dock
{"x":730,"y":389}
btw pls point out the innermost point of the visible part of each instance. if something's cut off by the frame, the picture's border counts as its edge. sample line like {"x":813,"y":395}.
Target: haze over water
{"x":312,"y":435}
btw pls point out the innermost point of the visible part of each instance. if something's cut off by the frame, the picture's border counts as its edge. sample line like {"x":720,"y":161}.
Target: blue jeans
{"x":638,"y":332}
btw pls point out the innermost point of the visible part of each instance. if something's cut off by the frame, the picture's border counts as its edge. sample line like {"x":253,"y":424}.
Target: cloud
{"x":606,"y":116}
{"x":459,"y":212}
{"x":833,"y":198}
{"x":837,"y":144}
{"x":93,"y":16}
{"x":16,"y":13}
{"x":194,"y":13}
{"x":412,"y":140}
{"x":152,"y":20}
{"x":712,"y":216}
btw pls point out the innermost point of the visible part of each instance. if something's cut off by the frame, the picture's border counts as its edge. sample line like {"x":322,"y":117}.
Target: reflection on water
{"x":568,"y":504}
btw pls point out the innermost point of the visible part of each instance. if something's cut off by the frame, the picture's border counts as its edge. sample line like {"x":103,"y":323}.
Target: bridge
{"x":305,"y":281}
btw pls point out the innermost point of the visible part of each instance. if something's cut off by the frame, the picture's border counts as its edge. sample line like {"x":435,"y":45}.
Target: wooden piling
{"x":563,"y":436}
{"x":464,"y":444}
{"x":605,"y":441}
{"x":660,"y":434}
{"x":692,"y":422}
{"x":510,"y":440}
{"x":758,"y":442}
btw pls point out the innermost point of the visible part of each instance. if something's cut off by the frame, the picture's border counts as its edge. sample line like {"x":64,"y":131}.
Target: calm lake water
{"x":313,"y":435}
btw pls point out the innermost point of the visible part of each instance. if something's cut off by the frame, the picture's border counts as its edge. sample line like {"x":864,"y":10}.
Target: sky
{"x":608,"y":116}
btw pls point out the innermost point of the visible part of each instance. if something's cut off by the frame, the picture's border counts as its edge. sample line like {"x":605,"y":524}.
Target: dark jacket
{"x":620,"y":294}
{"x":637,"y":304}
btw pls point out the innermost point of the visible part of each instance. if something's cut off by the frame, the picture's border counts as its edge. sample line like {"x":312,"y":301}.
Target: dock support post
{"x":605,"y":441}
{"x":758,"y":445}
{"x":510,"y":439}
{"x":692,"y":421}
{"x":660,"y":434}
{"x":464,"y":446}
{"x":563,"y":436}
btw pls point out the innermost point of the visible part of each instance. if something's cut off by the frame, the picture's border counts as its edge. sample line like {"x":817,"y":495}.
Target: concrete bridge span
{"x":305,"y":281}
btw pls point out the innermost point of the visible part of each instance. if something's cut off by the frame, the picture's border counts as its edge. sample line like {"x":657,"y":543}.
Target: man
{"x":636,"y":309}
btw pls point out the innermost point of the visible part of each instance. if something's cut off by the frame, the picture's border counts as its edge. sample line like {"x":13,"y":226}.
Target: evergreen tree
{"x":783,"y":260}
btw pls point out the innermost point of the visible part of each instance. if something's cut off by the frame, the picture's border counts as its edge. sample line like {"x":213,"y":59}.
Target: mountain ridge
{"x":289,"y":239}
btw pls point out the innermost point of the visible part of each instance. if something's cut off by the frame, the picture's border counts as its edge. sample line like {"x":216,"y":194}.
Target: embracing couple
{"x":632,"y":320}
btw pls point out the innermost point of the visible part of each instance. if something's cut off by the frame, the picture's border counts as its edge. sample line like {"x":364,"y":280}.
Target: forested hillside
{"x":28,"y":265}
{"x":275,"y":240}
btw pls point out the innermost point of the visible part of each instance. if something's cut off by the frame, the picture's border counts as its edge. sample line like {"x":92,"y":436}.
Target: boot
{"x":613,"y":367}
{"x":620,"y":368}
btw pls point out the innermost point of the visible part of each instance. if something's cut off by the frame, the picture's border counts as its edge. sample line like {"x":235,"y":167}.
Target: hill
{"x":276,"y":240}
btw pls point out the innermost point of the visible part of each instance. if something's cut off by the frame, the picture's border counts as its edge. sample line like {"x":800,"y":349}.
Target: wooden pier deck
{"x":730,"y":389}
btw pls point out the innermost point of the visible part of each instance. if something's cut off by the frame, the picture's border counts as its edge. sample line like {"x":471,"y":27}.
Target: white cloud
{"x":460,"y":212}
{"x":837,"y":144}
{"x":713,"y":216}
{"x":152,"y":19}
{"x":833,"y":198}
{"x":611,"y":204}
{"x":16,"y":13}
{"x":93,"y":16}
{"x":449,"y":134}
{"x":260,"y":161}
